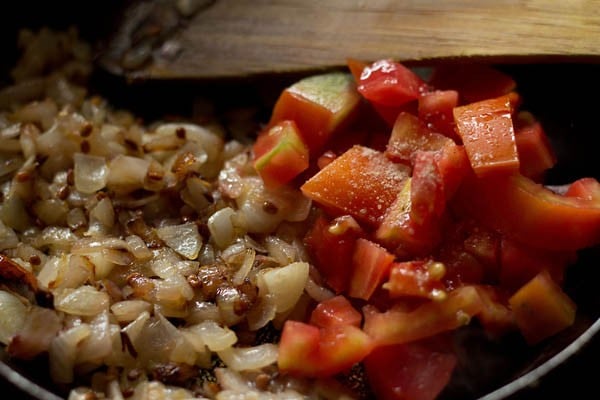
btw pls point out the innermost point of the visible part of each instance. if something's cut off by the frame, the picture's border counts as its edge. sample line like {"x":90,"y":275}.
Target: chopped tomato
{"x":426,"y":191}
{"x":520,"y":263}
{"x":496,"y":316}
{"x":410,"y":135}
{"x":401,"y":234}
{"x":335,"y":311}
{"x":535,"y":152}
{"x":389,"y":83}
{"x":319,"y":105}
{"x":331,"y":245}
{"x":435,"y":109}
{"x":361,"y":182}
{"x":417,"y":278}
{"x":586,"y":189}
{"x":398,"y":326}
{"x":541,"y":308}
{"x":280,"y":155}
{"x":530,"y":213}
{"x":370,"y":266}
{"x":473,"y":82}
{"x":408,"y":371}
{"x":309,"y":351}
{"x":299,"y":341}
{"x":486,"y":129}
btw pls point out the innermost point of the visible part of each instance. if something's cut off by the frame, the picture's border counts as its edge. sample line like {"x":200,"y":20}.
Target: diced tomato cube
{"x":487,"y":132}
{"x":370,"y":266}
{"x":319,"y":105}
{"x":410,"y":135}
{"x":280,"y":154}
{"x":417,"y":278}
{"x":331,"y":245}
{"x":335,"y":311}
{"x":586,"y":189}
{"x":541,"y":308}
{"x":341,"y":347}
{"x":496,"y":316}
{"x":299,"y":341}
{"x":361,"y":182}
{"x":408,"y":371}
{"x":435,"y":109}
{"x":536,"y":155}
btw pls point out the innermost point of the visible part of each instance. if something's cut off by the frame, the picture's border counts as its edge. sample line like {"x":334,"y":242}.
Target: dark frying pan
{"x":556,"y":93}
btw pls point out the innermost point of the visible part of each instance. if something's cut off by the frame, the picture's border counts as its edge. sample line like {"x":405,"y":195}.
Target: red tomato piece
{"x":389,"y":83}
{"x":397,"y":326}
{"x":435,"y":109}
{"x":319,"y":105}
{"x":529,"y":213}
{"x":399,"y":233}
{"x":335,"y":311}
{"x":370,"y":266}
{"x":473,"y":82}
{"x":299,"y":341}
{"x":496,"y":316}
{"x":361,"y":182}
{"x":586,"y":189}
{"x":427,"y":191}
{"x":410,"y":135}
{"x":487,"y":132}
{"x":308,"y":351}
{"x":408,"y":371}
{"x":542,"y":309}
{"x":520,"y":263}
{"x":417,"y":278}
{"x":280,"y":155}
{"x":331,"y":246}
{"x":536,"y":155}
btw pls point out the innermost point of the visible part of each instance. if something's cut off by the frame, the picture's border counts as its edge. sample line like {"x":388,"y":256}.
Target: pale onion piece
{"x":251,"y":208}
{"x":173,"y":292}
{"x":14,"y":214}
{"x":286,"y":284}
{"x":228,"y":299}
{"x":155,"y":390}
{"x":234,"y":250}
{"x":63,"y":351}
{"x":81,"y":393}
{"x":49,"y":271}
{"x":134,"y":329}
{"x":90,"y":172}
{"x":58,"y":238}
{"x":85,"y":301}
{"x":127,"y":173}
{"x":138,"y":248}
{"x":220,"y":226}
{"x":317,"y":292}
{"x":76,"y":218}
{"x":40,"y":327}
{"x":102,"y":266}
{"x":156,"y":341}
{"x":203,"y":355}
{"x":28,"y":136}
{"x":230,"y":380}
{"x":42,"y":112}
{"x":98,"y":345}
{"x":9,"y":165}
{"x":73,"y":271}
{"x":259,"y":316}
{"x":203,"y":311}
{"x":195,"y":193}
{"x":103,"y":213}
{"x":184,"y":239}
{"x":215,"y":337}
{"x":51,"y":211}
{"x":113,"y":390}
{"x":128,"y":310}
{"x":8,"y":237}
{"x":242,"y":272}
{"x":12,"y":316}
{"x":249,"y":358}
{"x":179,"y":353}
{"x":283,"y":252}
{"x":86,"y":246}
{"x":22,"y":91}
{"x":118,"y":257}
{"x":26,"y":252}
{"x":120,"y":355}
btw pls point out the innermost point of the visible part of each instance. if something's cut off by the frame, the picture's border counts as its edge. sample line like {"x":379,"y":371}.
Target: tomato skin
{"x":541,"y":308}
{"x":280,"y":154}
{"x":341,"y":347}
{"x":487,"y":132}
{"x":528,"y":212}
{"x":416,"y":278}
{"x":299,"y":341}
{"x":319,"y":105}
{"x":361,"y":182}
{"x":335,"y":311}
{"x":408,"y":372}
{"x":433,"y":317}
{"x":371,"y":264}
{"x":536,"y":155}
{"x":331,"y":245}
{"x":586,"y":189}
{"x":389,"y":83}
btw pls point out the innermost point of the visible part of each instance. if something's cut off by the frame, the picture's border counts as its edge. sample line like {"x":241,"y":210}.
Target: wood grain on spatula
{"x":232,"y":38}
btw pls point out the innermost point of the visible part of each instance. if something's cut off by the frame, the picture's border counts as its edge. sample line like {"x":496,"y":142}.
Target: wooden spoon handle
{"x":233,"y":38}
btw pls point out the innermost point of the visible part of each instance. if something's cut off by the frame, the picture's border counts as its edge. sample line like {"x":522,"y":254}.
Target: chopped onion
{"x":63,"y":352}
{"x":99,"y":344}
{"x":12,"y":316}
{"x":8,"y":237}
{"x":184,"y":239}
{"x":283,"y":252}
{"x":215,"y":337}
{"x":128,"y":310}
{"x":245,"y":268}
{"x":286,"y":284}
{"x":127,"y":173}
{"x":221,"y":227}
{"x":249,"y":358}
{"x":40,"y":327}
{"x":85,"y":301}
{"x":90,"y":172}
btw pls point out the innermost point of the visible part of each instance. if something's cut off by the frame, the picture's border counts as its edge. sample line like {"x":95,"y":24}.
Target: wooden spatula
{"x":201,"y":39}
